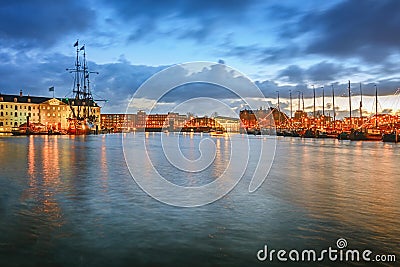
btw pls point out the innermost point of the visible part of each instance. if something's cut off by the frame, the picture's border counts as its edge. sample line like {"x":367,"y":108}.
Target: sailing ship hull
{"x":308,"y":134}
{"x":321,"y":135}
{"x":253,"y":131}
{"x":79,"y":127}
{"x":343,"y":136}
{"x":392,"y":137}
{"x":365,"y":136}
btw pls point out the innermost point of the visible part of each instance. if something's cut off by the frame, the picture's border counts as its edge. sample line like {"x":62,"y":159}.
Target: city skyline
{"x":279,"y":46}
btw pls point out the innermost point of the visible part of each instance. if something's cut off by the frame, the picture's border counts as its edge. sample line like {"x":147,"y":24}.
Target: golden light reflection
{"x":31,"y":157}
{"x":44,"y":179}
{"x":335,"y":182}
{"x":104,"y":166}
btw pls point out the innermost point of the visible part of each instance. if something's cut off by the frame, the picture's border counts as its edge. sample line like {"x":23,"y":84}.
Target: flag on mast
{"x":51,"y":89}
{"x":82,"y":48}
{"x":76,"y":43}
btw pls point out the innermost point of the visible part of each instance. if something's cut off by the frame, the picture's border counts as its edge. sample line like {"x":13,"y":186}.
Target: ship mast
{"x":350,"y":103}
{"x":291,"y":107}
{"x":298,"y":106}
{"x":334,"y":112}
{"x":279,"y":111}
{"x":323,"y":101}
{"x":314,"y":102}
{"x":83,"y":99}
{"x":376,"y":106}
{"x":323,"y":104}
{"x":361,"y":104}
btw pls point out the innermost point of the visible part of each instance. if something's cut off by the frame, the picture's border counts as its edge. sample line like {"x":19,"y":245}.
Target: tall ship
{"x":85,"y":113}
{"x":368,"y":132}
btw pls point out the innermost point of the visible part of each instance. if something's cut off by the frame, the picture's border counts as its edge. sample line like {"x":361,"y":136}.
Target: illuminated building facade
{"x":16,"y":110}
{"x":142,"y":122}
{"x":228,"y":123}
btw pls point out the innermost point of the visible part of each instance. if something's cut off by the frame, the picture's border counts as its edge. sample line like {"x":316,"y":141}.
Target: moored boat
{"x":309,"y":133}
{"x":218,"y":132}
{"x":83,"y":107}
{"x":33,"y":129}
{"x":391,"y":137}
{"x":343,"y":136}
{"x":366,"y":135}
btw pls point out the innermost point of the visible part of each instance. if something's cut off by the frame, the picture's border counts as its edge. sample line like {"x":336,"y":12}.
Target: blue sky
{"x":280,"y":45}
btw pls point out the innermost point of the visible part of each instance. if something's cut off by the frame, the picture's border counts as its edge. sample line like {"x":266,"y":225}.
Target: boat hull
{"x":392,"y":137}
{"x":365,"y":136}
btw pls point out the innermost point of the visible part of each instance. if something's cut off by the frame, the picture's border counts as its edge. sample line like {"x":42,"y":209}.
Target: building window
{"x":16,"y":114}
{"x":1,"y":114}
{"x":29,"y":114}
{"x":15,"y":99}
{"x":29,"y":100}
{"x":1,"y":106}
{"x":1,"y":123}
{"x":29,"y":108}
{"x":15,"y":123}
{"x":16,"y":107}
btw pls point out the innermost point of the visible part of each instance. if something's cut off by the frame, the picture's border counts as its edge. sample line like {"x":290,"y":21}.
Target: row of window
{"x":15,"y":123}
{"x":54,"y":108}
{"x":16,"y":114}
{"x":2,"y":106}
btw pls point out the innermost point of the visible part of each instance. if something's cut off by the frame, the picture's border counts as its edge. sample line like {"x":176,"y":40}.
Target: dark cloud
{"x":116,"y":82}
{"x":261,"y":55}
{"x":322,"y":72}
{"x":26,"y":24}
{"x":364,"y":29}
{"x":293,"y":73}
{"x":185,"y":19}
{"x":25,"y":72}
{"x":157,"y":9}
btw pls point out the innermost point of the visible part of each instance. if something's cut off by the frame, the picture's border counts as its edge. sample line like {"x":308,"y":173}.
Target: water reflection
{"x":40,"y":215}
{"x":356,"y":185}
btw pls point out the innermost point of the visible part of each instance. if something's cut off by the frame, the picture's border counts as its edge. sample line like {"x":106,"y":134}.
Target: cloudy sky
{"x":279,"y":45}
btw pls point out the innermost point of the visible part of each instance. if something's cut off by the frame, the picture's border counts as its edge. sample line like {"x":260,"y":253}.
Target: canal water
{"x":71,"y":201}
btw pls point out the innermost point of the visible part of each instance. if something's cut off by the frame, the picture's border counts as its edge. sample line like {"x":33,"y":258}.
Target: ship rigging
{"x":83,"y":117}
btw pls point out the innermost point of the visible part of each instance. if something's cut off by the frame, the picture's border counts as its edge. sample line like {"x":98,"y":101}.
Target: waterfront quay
{"x":42,"y":115}
{"x":261,"y":121}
